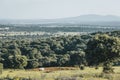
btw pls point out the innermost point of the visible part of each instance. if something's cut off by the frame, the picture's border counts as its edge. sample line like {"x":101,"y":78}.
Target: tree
{"x":103,"y":49}
{"x":77,"y":58}
{"x":16,"y":61}
{"x":33,"y":64}
{"x":63,"y":60}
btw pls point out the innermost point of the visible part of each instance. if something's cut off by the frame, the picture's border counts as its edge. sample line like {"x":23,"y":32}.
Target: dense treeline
{"x":54,"y":51}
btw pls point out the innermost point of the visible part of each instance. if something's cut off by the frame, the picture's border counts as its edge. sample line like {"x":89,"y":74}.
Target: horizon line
{"x":59,"y":17}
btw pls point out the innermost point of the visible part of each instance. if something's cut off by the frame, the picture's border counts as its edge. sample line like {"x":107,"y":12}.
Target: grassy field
{"x":63,"y":74}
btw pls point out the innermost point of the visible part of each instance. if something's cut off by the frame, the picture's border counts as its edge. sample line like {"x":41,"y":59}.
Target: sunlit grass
{"x":87,"y":74}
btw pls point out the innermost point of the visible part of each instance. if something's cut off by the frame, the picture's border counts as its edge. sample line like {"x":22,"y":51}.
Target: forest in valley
{"x":60,"y":51}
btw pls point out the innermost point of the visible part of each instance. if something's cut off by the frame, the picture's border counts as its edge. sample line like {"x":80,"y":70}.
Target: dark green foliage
{"x":59,"y":51}
{"x":1,"y":68}
{"x":63,"y":59}
{"x":103,"y":49}
{"x":77,"y":57}
{"x":15,"y":61}
{"x":32,"y":64}
{"x":54,"y":51}
{"x":82,"y":67}
{"x":107,"y":68}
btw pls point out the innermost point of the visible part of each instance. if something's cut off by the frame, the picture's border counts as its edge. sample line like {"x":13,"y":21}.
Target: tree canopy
{"x":103,"y":49}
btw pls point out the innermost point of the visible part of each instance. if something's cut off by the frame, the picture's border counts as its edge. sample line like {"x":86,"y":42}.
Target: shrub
{"x":82,"y":67}
{"x":1,"y":68}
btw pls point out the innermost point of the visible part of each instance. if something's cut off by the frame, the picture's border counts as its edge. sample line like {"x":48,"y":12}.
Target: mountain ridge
{"x":83,"y":19}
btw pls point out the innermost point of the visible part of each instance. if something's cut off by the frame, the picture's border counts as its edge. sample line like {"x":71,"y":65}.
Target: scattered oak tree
{"x":103,"y":50}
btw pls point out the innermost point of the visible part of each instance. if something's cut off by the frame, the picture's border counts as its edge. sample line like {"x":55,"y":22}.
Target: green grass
{"x":87,"y":74}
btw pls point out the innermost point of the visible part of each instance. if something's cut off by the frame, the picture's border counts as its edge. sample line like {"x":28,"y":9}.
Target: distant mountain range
{"x":83,"y":19}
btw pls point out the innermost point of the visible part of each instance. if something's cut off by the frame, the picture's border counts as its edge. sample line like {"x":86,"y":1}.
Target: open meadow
{"x":61,"y":74}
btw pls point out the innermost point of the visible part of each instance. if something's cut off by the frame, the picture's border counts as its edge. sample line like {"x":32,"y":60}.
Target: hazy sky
{"x":47,"y":9}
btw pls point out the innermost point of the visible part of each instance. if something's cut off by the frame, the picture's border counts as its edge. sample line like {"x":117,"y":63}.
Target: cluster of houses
{"x":4,"y":29}
{"x":37,"y":33}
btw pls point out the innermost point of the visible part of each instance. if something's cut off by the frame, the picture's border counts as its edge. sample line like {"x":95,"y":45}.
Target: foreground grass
{"x":74,"y":74}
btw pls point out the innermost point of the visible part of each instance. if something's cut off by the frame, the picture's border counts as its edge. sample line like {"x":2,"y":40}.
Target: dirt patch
{"x":50,"y":69}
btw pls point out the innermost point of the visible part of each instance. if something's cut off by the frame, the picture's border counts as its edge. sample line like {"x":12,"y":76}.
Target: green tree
{"x":33,"y":64}
{"x":16,"y":61}
{"x":103,"y":49}
{"x":63,"y":60}
{"x":77,"y":58}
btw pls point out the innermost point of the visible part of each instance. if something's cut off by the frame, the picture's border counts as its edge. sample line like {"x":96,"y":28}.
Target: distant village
{"x":6,"y":32}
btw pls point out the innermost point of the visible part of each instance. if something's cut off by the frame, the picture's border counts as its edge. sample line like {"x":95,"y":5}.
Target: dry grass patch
{"x":62,"y":73}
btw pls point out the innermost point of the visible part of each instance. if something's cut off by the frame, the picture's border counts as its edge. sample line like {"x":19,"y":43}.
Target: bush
{"x":1,"y":68}
{"x":82,"y":67}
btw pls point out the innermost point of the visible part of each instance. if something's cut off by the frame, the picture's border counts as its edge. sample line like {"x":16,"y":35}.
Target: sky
{"x":51,"y":9}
